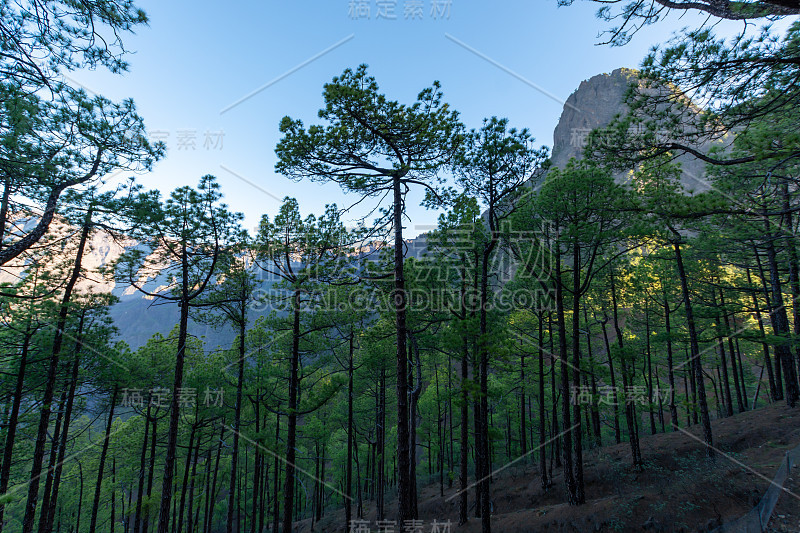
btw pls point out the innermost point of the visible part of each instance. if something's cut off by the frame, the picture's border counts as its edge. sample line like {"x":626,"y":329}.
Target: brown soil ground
{"x":679,"y":489}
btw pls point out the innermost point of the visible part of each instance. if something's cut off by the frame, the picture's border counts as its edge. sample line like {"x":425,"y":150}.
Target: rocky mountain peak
{"x":594,"y":104}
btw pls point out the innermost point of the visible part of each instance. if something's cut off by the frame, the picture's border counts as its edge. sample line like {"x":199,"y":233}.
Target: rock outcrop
{"x":594,"y":105}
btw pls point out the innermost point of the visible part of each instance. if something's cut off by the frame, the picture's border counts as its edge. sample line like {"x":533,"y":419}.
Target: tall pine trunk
{"x":137,"y":519}
{"x":569,"y":474}
{"x":579,"y":495}
{"x":464,"y":448}
{"x":237,"y":421}
{"x":780,"y":323}
{"x":62,"y":447}
{"x":764,"y":346}
{"x":150,"y":473}
{"x":50,"y":381}
{"x":178,"y":526}
{"x":741,"y":391}
{"x":102,"y":463}
{"x":463,"y":510}
{"x":697,"y":365}
{"x":168,"y":483}
{"x":545,"y":479}
{"x":595,"y":408}
{"x":291,"y":417}
{"x":13,"y":420}
{"x":673,"y":410}
{"x":630,"y":412}
{"x":276,"y":480}
{"x":484,"y":481}
{"x":51,"y":465}
{"x":348,"y":486}
{"x":403,"y":455}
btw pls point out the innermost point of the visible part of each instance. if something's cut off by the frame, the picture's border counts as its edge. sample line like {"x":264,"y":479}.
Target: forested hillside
{"x":622,"y":307}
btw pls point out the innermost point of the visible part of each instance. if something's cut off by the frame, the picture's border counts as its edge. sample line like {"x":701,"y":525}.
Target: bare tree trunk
{"x":102,"y":462}
{"x":546,"y":481}
{"x":556,"y":448}
{"x":653,"y":430}
{"x":439,"y":423}
{"x":259,"y":459}
{"x":13,"y":421}
{"x":50,"y":382}
{"x":403,"y":455}
{"x":794,"y":265}
{"x":595,"y":409}
{"x":348,"y":490}
{"x":463,"y":475}
{"x":569,"y":474}
{"x":114,"y":495}
{"x":142,"y":466}
{"x":185,"y":485}
{"x":62,"y":448}
{"x":80,"y":499}
{"x":415,"y":390}
{"x":615,"y":400}
{"x":174,"y":414}
{"x":150,"y":473}
{"x":379,"y":459}
{"x":4,"y":203}
{"x":476,"y":415}
{"x":673,"y":410}
{"x":741,"y":392}
{"x":237,"y":421}
{"x":780,"y":323}
{"x":630,"y":414}
{"x":275,"y":501}
{"x":51,"y":465}
{"x":523,"y":442}
{"x":291,"y":426}
{"x":778,"y":391}
{"x":695,"y":347}
{"x":580,"y":491}
{"x":725,"y":384}
{"x":207,"y":495}
{"x":484,"y":482}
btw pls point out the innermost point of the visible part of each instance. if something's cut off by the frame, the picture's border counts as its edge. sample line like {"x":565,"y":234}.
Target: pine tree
{"x":373,"y":146}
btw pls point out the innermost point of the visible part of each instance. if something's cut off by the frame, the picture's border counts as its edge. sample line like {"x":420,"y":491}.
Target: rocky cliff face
{"x":594,"y":105}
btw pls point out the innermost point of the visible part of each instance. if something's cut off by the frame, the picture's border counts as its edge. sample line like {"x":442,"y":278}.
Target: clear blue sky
{"x":198,"y":57}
